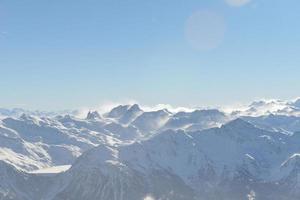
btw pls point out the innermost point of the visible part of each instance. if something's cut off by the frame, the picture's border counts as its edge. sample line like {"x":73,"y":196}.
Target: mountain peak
{"x":239,"y":124}
{"x":135,"y":108}
{"x":24,"y":116}
{"x":118,"y":111}
{"x":297,"y":103}
{"x":93,"y":115}
{"x":258,"y":103}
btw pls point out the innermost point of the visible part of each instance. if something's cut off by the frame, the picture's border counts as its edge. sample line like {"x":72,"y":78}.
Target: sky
{"x":64,"y":54}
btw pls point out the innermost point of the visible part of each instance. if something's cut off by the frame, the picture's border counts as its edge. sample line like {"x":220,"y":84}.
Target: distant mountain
{"x":196,"y":120}
{"x":125,"y":114}
{"x":283,"y":123}
{"x":149,"y":122}
{"x":296,"y":103}
{"x":266,"y":107}
{"x":17,"y":112}
{"x":118,"y":111}
{"x":93,"y":115}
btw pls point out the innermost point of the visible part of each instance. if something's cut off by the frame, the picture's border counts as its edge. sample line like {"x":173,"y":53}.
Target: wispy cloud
{"x":103,"y":107}
{"x":107,"y":106}
{"x":166,"y":106}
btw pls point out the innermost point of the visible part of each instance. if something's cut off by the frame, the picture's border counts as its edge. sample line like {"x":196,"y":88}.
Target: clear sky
{"x":66,"y":54}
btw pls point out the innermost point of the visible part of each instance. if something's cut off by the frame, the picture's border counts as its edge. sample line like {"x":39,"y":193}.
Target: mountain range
{"x":132,"y":154}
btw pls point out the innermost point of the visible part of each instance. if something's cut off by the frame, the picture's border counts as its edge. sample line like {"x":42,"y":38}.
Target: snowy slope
{"x":196,"y":120}
{"x":266,"y":107}
{"x":237,"y":158}
{"x":283,"y":123}
{"x":149,"y":122}
{"x":32,"y":142}
{"x":229,"y":162}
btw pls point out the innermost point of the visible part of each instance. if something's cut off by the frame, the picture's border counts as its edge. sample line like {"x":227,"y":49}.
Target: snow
{"x":128,"y":146}
{"x":249,"y":156}
{"x":273,"y":106}
{"x":52,"y":170}
{"x":32,"y":141}
{"x":149,"y":198}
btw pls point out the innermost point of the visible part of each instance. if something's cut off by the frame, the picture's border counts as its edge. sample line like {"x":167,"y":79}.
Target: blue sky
{"x":68,"y":54}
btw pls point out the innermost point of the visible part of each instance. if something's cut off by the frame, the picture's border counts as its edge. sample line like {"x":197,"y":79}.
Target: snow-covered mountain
{"x":229,"y":162}
{"x":220,"y":163}
{"x":125,"y":114}
{"x":17,"y":112}
{"x":133,"y":154}
{"x":31,"y":143}
{"x":282,"y":123}
{"x":296,"y":103}
{"x":266,"y":107}
{"x":196,"y":120}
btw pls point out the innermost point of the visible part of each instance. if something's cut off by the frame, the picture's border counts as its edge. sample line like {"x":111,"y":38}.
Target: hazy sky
{"x":66,"y":54}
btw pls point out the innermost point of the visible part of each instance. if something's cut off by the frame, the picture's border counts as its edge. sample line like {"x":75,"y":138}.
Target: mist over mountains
{"x":132,"y":154}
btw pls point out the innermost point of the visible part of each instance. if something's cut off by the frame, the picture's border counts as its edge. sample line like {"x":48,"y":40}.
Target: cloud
{"x":82,"y":112}
{"x":205,"y":30}
{"x":237,"y":3}
{"x":106,"y":106}
{"x":169,"y":107}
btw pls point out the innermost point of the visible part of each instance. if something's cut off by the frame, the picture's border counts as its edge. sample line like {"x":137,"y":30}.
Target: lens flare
{"x":237,"y":3}
{"x":205,"y":30}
